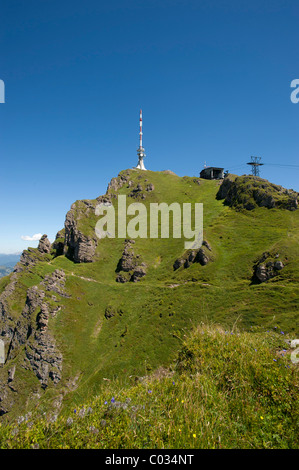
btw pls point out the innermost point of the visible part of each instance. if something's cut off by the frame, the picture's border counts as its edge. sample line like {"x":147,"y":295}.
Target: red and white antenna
{"x":140,"y":132}
{"x":140,"y":150}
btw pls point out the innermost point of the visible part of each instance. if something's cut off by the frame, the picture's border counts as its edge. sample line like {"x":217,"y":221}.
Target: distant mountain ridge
{"x":8,"y":262}
{"x":10,"y":258}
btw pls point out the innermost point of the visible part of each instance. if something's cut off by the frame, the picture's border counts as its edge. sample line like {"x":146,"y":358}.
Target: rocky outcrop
{"x":203,"y":256}
{"x":267,"y":267}
{"x":150,"y":187}
{"x":29,"y":342}
{"x":249,"y":192}
{"x":44,"y":245}
{"x":31,"y":256}
{"x":137,"y":192}
{"x":28,"y":257}
{"x":44,"y":358}
{"x":6,"y":319}
{"x":77,"y":246}
{"x":117,"y":183}
{"x":40,"y":348}
{"x":58,"y":244}
{"x":130,"y":268}
{"x":128,"y":260}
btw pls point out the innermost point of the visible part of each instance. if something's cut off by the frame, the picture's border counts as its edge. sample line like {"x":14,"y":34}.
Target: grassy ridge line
{"x":227,"y":389}
{"x":144,"y":335}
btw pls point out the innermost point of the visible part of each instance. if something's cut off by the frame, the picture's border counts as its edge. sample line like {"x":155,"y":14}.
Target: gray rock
{"x":278,"y":265}
{"x":201,"y":256}
{"x":44,"y":245}
{"x":138,"y":273}
{"x":78,"y":247}
{"x":11,"y":373}
{"x":267,"y":267}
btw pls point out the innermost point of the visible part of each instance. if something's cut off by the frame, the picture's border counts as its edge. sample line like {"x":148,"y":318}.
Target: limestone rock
{"x":267,"y":267}
{"x":128,"y":260}
{"x":150,"y":187}
{"x":202,"y":256}
{"x":58,"y":244}
{"x":138,"y":273}
{"x":44,"y":245}
{"x":130,"y":268}
{"x":78,"y":247}
{"x":249,"y":192}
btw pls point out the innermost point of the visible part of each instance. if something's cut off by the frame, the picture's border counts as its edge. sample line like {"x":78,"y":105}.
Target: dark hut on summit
{"x":212,"y":173}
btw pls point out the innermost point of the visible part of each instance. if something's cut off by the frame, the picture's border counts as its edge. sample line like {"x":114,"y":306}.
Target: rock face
{"x":267,"y":267}
{"x":31,"y":256}
{"x":28,"y":257}
{"x":249,"y":192}
{"x":130,"y":268}
{"x":202,"y":256}
{"x":44,"y":245}
{"x":117,"y":183}
{"x":58,"y":244}
{"x":28,"y":341}
{"x":138,"y":191}
{"x":78,"y":247}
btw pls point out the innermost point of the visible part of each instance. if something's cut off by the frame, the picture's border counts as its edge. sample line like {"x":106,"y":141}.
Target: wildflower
{"x":105,"y":403}
{"x":262,"y":417}
{"x":173,"y":383}
{"x":112,"y":400}
{"x":75,"y":411}
{"x":182,"y":401}
{"x":194,"y":435}
{"x":180,"y":430}
{"x":275,"y":360}
{"x":149,"y":391}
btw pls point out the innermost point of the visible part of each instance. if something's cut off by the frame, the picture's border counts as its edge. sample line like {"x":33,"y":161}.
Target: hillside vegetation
{"x":226,"y":389}
{"x":84,"y":314}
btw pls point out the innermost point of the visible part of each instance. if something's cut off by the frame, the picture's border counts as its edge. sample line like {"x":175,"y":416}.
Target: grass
{"x":150,"y":317}
{"x":226,"y":389}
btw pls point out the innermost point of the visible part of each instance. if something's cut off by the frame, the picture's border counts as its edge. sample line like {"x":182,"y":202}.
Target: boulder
{"x":267,"y":267}
{"x":44,"y":245}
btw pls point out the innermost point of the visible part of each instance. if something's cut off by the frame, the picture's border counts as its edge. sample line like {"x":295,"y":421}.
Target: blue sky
{"x":212,"y":77}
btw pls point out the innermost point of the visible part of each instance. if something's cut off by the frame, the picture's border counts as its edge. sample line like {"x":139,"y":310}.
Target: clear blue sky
{"x":212,"y":77}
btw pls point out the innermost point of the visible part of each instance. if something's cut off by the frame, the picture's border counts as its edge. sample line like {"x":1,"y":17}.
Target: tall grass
{"x":227,"y":389}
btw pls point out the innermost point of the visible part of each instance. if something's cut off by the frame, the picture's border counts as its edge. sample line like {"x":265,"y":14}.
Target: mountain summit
{"x":85,"y":310}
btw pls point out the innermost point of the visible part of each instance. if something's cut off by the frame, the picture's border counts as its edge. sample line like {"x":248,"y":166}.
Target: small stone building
{"x":212,"y":173}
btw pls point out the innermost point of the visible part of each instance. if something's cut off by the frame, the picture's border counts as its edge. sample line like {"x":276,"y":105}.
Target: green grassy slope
{"x":226,"y":389}
{"x":149,"y":317}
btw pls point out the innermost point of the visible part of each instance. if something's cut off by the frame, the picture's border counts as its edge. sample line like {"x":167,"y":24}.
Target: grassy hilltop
{"x":73,"y":333}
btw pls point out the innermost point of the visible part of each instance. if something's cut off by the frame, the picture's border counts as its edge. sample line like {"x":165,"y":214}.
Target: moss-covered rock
{"x":249,"y":192}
